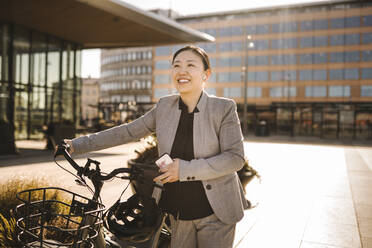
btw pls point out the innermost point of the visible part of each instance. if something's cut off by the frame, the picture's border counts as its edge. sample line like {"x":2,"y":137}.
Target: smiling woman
{"x":202,"y":135}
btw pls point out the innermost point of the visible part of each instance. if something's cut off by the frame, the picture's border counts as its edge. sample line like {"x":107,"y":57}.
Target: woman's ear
{"x":206,"y":75}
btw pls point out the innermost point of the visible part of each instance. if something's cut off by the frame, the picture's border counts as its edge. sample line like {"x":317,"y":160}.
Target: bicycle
{"x":77,"y":222}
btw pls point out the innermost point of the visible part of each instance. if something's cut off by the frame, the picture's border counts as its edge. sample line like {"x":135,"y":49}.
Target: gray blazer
{"x":218,"y":147}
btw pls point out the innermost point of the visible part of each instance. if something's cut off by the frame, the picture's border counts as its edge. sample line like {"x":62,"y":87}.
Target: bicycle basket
{"x":45,"y":220}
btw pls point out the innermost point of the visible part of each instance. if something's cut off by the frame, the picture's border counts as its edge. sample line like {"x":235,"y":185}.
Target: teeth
{"x":183,"y":80}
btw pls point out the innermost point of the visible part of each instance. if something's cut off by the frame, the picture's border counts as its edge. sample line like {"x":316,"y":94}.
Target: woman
{"x":202,"y":135}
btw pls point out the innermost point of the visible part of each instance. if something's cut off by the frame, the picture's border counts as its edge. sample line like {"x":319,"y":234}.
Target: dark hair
{"x":198,"y":51}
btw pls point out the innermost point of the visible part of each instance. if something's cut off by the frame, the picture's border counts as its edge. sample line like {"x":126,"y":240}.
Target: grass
{"x":8,"y":202}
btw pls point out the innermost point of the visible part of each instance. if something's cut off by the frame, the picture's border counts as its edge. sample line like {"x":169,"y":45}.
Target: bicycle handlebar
{"x":63,"y":148}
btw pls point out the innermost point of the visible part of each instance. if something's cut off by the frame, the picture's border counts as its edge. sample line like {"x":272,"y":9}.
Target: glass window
{"x":276,"y":92}
{"x":306,"y":75}
{"x":315,"y":91}
{"x":320,"y":58}
{"x":261,"y":45}
{"x":236,"y":46}
{"x":53,"y":62}
{"x":352,"y":39}
{"x":285,"y":59}
{"x":225,"y":31}
{"x":320,"y":41}
{"x":306,"y":58}
{"x":336,"y":74}
{"x":352,"y":22}
{"x":262,"y":76}
{"x":337,"y":57}
{"x":262,"y":60}
{"x":251,"y":29}
{"x":235,"y":77}
{"x":213,"y":62}
{"x":290,"y":75}
{"x":232,"y":92}
{"x":339,"y":91}
{"x":337,"y":23}
{"x":251,"y":76}
{"x":367,"y":38}
{"x":284,"y":27}
{"x":367,"y":20}
{"x":160,"y":93}
{"x":162,"y":65}
{"x":38,"y":58}
{"x":366,"y":73}
{"x":352,"y":56}
{"x":337,"y":40}
{"x":367,"y":55}
{"x":210,"y":31}
{"x":276,"y":59}
{"x":254,"y":92}
{"x":212,"y":78}
{"x":276,"y":75}
{"x":320,"y":24}
{"x":351,"y":73}
{"x":235,"y":61}
{"x":262,"y":29}
{"x":225,"y":47}
{"x":162,"y":79}
{"x":208,"y":47}
{"x":284,"y":43}
{"x":306,"y":42}
{"x":224,"y":62}
{"x":223,"y":77}
{"x":236,"y":31}
{"x":161,"y":50}
{"x":289,"y":59}
{"x":366,"y":90}
{"x":320,"y":74}
{"x":307,"y":25}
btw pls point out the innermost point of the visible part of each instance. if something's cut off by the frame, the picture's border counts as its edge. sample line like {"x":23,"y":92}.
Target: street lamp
{"x":248,"y":44}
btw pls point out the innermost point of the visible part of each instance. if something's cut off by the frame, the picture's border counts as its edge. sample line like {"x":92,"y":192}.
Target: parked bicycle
{"x":77,"y":221}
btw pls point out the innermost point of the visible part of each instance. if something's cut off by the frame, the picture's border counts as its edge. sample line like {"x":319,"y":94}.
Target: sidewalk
{"x":313,"y":194}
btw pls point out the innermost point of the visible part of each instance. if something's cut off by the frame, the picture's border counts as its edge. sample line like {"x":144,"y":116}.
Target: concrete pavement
{"x":311,"y":196}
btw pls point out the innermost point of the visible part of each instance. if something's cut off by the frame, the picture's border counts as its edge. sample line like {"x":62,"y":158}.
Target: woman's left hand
{"x":169,"y":173}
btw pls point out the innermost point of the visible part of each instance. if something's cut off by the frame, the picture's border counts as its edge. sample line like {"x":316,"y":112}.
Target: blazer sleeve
{"x":118,"y":135}
{"x":229,"y":160}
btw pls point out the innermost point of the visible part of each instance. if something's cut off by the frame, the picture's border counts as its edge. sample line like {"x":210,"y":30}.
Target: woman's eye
{"x":175,"y":66}
{"x":191,"y":65}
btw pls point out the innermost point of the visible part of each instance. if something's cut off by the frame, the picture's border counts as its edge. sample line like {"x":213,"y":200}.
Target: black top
{"x":187,"y":199}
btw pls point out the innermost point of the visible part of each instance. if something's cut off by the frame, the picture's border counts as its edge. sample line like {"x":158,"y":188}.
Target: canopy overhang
{"x":98,"y":23}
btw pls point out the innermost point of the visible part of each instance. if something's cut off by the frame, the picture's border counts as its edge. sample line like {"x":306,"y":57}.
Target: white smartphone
{"x":164,"y":160}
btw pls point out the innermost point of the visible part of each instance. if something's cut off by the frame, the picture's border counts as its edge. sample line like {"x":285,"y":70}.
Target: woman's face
{"x":188,"y":74}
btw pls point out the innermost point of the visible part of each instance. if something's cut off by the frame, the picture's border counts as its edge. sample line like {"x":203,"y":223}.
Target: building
{"x":126,"y":77}
{"x":301,"y":70}
{"x":40,"y":57}
{"x":89,"y":101}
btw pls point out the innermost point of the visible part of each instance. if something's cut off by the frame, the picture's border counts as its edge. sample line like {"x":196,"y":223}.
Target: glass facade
{"x":43,"y":85}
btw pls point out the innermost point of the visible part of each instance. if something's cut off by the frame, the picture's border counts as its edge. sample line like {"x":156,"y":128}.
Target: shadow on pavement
{"x":32,"y":156}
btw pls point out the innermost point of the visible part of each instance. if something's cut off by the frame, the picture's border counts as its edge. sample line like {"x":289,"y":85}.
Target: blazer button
{"x":208,"y":186}
{"x":188,"y":178}
{"x":193,"y":178}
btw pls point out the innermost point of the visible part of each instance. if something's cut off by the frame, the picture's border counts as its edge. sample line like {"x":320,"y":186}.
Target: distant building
{"x":89,"y":100}
{"x":307,"y":67}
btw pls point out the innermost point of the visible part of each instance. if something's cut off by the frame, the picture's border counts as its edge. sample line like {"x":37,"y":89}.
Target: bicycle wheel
{"x":45,"y":219}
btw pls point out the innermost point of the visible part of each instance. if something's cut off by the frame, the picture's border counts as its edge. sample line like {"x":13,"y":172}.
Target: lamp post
{"x":248,"y":44}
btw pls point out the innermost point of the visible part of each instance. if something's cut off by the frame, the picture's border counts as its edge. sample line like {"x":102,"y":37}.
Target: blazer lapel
{"x":199,"y":138}
{"x":168,"y":128}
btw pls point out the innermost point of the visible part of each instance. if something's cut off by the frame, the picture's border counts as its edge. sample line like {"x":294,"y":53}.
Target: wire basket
{"x":55,"y":217}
